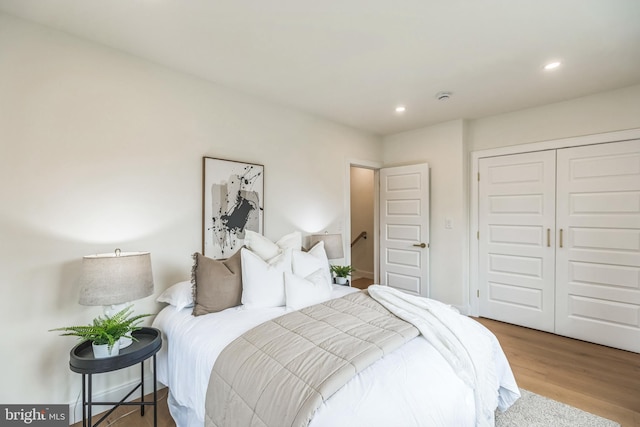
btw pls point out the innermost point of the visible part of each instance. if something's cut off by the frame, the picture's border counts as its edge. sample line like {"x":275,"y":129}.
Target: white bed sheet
{"x":413,"y":386}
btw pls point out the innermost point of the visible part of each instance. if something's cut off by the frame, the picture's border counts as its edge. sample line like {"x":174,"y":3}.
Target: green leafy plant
{"x":342,"y":270}
{"x":107,"y":329}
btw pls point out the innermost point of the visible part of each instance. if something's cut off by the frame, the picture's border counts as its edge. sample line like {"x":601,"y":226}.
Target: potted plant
{"x":342,"y":272}
{"x":105,"y":332}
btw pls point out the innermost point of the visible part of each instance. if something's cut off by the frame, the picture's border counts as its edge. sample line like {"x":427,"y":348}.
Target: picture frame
{"x":232,"y":202}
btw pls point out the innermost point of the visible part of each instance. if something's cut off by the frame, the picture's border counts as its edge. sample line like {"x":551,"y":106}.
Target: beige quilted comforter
{"x":279,"y":373}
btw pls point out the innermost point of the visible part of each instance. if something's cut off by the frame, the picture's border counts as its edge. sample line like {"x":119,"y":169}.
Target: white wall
{"x":100,"y":150}
{"x":599,"y":113}
{"x":442,"y":146}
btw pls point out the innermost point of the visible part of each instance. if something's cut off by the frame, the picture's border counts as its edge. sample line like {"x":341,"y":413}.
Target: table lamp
{"x":332,"y":244}
{"x":114,"y":279}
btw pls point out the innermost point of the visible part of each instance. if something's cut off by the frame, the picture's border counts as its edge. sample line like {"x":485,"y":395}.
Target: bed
{"x":417,"y":384}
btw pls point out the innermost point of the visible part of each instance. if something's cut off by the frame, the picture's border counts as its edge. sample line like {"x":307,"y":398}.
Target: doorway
{"x":404,"y":219}
{"x":362,"y":219}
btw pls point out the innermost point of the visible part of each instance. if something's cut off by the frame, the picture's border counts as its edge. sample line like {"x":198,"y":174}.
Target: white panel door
{"x":598,"y":259}
{"x":516,"y":239}
{"x":404,"y":228}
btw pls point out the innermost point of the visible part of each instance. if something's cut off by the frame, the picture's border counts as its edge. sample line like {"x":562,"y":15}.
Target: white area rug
{"x":533,"y":410}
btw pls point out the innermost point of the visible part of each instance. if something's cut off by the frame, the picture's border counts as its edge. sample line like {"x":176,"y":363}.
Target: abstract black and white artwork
{"x":233,"y":202}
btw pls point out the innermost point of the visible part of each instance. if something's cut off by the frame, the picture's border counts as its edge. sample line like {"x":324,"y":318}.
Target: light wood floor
{"x":594,"y":378}
{"x":129,"y":416}
{"x":362,"y":283}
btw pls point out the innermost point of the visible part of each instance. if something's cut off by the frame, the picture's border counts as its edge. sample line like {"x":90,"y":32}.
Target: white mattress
{"x":413,"y":386}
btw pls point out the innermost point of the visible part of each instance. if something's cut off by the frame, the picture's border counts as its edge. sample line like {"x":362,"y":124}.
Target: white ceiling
{"x":353,"y":61}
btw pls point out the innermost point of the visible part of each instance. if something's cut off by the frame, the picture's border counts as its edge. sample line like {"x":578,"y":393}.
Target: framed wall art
{"x":232,"y":202}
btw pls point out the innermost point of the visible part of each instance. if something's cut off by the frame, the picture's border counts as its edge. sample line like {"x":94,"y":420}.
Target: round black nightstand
{"x":81,"y":360}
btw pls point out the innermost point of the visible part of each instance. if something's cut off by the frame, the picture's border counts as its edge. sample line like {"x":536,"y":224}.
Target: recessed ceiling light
{"x":552,"y":65}
{"x":401,"y":109}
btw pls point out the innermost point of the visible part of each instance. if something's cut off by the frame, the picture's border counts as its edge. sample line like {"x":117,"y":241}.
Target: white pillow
{"x":305,"y":263}
{"x":266,"y":249}
{"x":303,"y":292}
{"x":290,"y":241}
{"x":262,"y":281}
{"x":179,"y":295}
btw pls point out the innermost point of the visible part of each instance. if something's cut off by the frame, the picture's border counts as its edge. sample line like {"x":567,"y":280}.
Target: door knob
{"x":420,"y":245}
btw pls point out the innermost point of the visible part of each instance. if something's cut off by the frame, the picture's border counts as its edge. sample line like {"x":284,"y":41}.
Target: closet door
{"x":598,"y":257}
{"x":516,"y":239}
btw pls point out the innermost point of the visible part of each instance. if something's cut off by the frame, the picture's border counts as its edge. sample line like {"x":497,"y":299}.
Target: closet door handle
{"x":561,"y":237}
{"x":548,"y":237}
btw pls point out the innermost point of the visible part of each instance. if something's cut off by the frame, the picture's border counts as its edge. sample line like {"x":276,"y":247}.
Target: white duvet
{"x":413,"y":386}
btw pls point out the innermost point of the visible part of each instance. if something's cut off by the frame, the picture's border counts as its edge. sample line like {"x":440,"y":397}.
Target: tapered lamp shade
{"x":110,"y":279}
{"x":332,"y":244}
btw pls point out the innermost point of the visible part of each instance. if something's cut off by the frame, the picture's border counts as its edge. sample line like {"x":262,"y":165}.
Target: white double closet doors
{"x":559,"y":241}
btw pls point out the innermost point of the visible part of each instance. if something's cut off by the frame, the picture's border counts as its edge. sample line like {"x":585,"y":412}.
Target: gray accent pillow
{"x":217,"y":284}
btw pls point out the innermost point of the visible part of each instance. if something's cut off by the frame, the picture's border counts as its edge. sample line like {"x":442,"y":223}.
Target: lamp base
{"x":125,"y":342}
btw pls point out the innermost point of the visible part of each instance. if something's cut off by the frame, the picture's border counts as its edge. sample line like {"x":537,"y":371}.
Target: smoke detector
{"x":443,"y":96}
